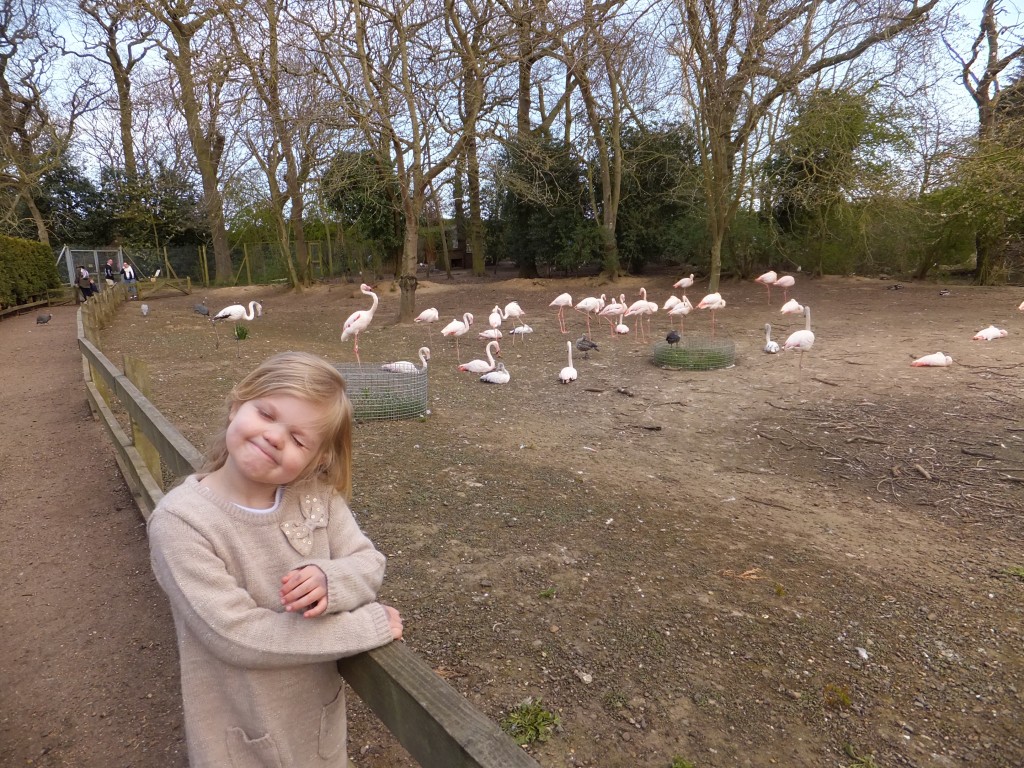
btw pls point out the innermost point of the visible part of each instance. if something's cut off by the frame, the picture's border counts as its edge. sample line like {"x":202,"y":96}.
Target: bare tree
{"x":121,"y":42}
{"x":391,"y":64}
{"x":740,"y":58}
{"x":200,"y":74}
{"x":34,"y":135}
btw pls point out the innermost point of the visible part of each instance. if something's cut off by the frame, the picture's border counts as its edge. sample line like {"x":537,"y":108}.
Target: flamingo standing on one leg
{"x":428,"y":316}
{"x":562,"y":301}
{"x":513,"y":312}
{"x":236,"y":313}
{"x":482,"y":366}
{"x":713,"y":302}
{"x":785,"y":283}
{"x":801,"y":340}
{"x":458,"y":328}
{"x":766,"y":280}
{"x":359,"y":320}
{"x":683,"y":283}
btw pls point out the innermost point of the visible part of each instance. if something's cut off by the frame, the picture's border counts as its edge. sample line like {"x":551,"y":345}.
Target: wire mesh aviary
{"x":379,"y":395}
{"x":695,"y":353}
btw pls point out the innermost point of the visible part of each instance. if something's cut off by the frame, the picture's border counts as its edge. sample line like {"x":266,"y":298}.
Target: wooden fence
{"x":429,"y":718}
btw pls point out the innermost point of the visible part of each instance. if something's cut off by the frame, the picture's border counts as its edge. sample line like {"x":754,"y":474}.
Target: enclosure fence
{"x":436,"y":725}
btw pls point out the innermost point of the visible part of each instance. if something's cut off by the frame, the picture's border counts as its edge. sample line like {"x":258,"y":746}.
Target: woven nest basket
{"x":379,"y":395}
{"x":695,"y":353}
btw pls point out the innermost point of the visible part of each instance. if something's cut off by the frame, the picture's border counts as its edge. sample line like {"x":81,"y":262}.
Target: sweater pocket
{"x":333,"y":729}
{"x":252,"y":753}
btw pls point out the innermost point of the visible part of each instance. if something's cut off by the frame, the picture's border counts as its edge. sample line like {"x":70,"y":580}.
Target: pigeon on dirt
{"x":585,"y":345}
{"x":43,"y":319}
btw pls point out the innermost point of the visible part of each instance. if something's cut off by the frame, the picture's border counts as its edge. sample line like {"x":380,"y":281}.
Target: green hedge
{"x":27,"y":270}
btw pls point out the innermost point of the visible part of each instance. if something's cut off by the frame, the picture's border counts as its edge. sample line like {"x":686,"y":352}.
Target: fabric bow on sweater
{"x":300,"y":532}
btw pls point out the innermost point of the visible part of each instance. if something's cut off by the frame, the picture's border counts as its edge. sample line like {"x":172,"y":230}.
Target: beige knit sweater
{"x":260,"y":686}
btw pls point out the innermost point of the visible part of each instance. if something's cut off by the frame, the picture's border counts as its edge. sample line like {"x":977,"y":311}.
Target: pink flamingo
{"x":936,"y":359}
{"x":801,"y":340}
{"x":614,"y":308}
{"x":588,"y":305}
{"x":785,"y":283}
{"x":359,"y":320}
{"x":713,"y":302}
{"x":458,"y":328}
{"x":482,"y":366}
{"x":562,"y":301}
{"x":428,"y":316}
{"x":792,"y":307}
{"x":513,"y":312}
{"x":766,"y":280}
{"x":681,"y":310}
{"x":641,"y":308}
{"x":683,"y":283}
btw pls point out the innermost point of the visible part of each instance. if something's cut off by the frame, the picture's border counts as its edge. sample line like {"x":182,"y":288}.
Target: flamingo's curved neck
{"x":643,"y":294}
{"x":252,"y":311}
{"x":490,"y":358}
{"x":568,"y":344}
{"x":373,"y":306}
{"x":807,"y":312}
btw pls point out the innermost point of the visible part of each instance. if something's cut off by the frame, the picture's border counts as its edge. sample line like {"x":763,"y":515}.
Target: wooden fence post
{"x":138,"y":374}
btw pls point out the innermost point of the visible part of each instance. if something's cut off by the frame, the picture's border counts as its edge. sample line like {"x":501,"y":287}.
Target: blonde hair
{"x":313,"y":379}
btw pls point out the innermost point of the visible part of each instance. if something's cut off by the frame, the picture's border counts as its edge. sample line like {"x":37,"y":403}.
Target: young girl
{"x":269,"y":577}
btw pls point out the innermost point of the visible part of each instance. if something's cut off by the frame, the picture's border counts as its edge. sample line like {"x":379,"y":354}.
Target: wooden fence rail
{"x":429,"y":718}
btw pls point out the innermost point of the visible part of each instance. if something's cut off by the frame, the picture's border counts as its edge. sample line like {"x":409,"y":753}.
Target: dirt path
{"x":89,"y":672}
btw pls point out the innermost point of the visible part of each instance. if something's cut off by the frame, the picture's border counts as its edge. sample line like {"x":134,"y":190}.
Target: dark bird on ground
{"x":945,"y":292}
{"x":201,"y":309}
{"x":672,"y":338}
{"x":585,"y":345}
{"x":896,"y":287}
{"x":43,"y":319}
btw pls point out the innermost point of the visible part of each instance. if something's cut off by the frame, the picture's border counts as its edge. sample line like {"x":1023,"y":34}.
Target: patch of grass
{"x":837,"y":696}
{"x":548,"y":593}
{"x":681,"y":762}
{"x":241,"y":332}
{"x":859,"y":761}
{"x":1017,"y":571}
{"x":780,"y":590}
{"x":614,"y":700}
{"x":529,"y":722}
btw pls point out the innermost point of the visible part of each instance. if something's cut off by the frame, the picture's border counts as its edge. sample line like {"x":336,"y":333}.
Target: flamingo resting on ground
{"x":520,"y":330}
{"x":359,"y":320}
{"x":771,"y":347}
{"x":404,"y":366}
{"x":562,"y":301}
{"x":989,"y":334}
{"x":482,"y":366}
{"x":428,"y":316}
{"x":499,"y":375}
{"x":785,"y":283}
{"x":801,"y":340}
{"x":568,"y":373}
{"x":766,"y":280}
{"x":713,"y":302}
{"x":936,"y":359}
{"x":489,"y":335}
{"x":792,"y":307}
{"x":458,"y":328}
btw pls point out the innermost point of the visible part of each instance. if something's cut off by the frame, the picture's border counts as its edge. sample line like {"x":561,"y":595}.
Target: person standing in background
{"x":128,"y":273}
{"x":108,"y":272}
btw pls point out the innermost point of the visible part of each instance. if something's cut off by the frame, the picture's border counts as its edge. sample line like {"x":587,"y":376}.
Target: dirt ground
{"x":768,"y":564}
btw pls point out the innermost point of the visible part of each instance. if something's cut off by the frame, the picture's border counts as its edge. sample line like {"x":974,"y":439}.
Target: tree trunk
{"x":407,"y":282}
